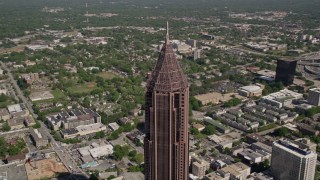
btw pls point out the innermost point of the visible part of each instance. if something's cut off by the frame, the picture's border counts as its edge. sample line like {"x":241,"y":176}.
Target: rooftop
{"x":294,"y":146}
{"x":315,"y":90}
{"x":14,"y":108}
{"x":252,"y":88}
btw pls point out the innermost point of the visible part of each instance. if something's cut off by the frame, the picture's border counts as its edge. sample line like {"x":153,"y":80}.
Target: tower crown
{"x":167,"y":75}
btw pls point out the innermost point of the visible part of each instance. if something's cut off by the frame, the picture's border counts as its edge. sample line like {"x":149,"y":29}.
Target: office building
{"x":292,"y":160}
{"x":314,"y":97}
{"x":285,"y":71}
{"x":166,"y":119}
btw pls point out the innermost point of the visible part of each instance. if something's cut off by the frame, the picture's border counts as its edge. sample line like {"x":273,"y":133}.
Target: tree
{"x":3,"y":98}
{"x":132,"y":153}
{"x":227,"y":150}
{"x":194,"y":103}
{"x":209,"y":130}
{"x":22,"y":84}
{"x":232,"y":102}
{"x":93,"y":176}
{"x":3,"y":147}
{"x":135,"y":169}
{"x":138,"y":158}
{"x":282,"y":132}
{"x":194,"y":131}
{"x":100,"y":135}
{"x":37,"y":125}
{"x":13,"y":150}
{"x":6,"y":127}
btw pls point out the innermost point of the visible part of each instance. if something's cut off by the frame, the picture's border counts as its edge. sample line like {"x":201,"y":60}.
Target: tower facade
{"x":292,"y":160}
{"x":285,"y":71}
{"x":166,"y":145}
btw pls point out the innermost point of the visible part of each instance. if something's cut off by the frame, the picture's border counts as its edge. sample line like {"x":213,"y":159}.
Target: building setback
{"x":167,"y":108}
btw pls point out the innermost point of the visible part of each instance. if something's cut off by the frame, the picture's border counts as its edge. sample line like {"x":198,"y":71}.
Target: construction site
{"x":45,"y":168}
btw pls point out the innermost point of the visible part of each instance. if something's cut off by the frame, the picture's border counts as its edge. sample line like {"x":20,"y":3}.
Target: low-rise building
{"x":281,"y":98}
{"x":30,"y":78}
{"x":219,"y":126}
{"x":14,"y":108}
{"x":213,"y":98}
{"x":217,"y":176}
{"x":43,"y":95}
{"x":103,"y":150}
{"x":16,"y":123}
{"x":199,"y":167}
{"x":114,"y":126}
{"x":250,"y":91}
{"x":38,"y":139}
{"x":82,"y":130}
{"x":237,"y":171}
{"x":4,"y":114}
{"x":125,"y":120}
{"x":16,"y":158}
{"x":73,"y":119}
{"x":199,"y":127}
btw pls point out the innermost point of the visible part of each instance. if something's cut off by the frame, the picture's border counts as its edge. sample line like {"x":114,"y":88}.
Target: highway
{"x":64,"y":156}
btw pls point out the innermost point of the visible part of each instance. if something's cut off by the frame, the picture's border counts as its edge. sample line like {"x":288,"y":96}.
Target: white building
{"x":100,"y":151}
{"x":114,"y":126}
{"x":292,"y":160}
{"x":281,"y":98}
{"x":250,"y":91}
{"x":14,"y":108}
{"x":314,"y":97}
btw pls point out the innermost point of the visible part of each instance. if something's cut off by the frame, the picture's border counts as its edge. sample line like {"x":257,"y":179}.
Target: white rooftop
{"x":285,"y":93}
{"x":84,"y":151}
{"x":101,"y":151}
{"x":252,"y":88}
{"x":38,"y":133}
{"x":114,"y":126}
{"x":315,"y":90}
{"x":14,"y":108}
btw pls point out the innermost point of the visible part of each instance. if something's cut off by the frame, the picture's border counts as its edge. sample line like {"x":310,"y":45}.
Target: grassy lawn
{"x":107,"y":75}
{"x":266,"y":127}
{"x":59,"y":96}
{"x":82,"y":88}
{"x":6,"y":103}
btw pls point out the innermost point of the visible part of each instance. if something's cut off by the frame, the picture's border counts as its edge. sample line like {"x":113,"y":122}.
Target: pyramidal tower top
{"x":167,"y":75}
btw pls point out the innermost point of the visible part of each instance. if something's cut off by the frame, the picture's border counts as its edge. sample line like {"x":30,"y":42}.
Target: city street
{"x":64,"y":156}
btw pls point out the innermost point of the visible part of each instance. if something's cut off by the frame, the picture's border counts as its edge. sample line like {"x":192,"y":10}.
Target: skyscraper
{"x":166,"y":143}
{"x":292,"y":160}
{"x":285,"y":71}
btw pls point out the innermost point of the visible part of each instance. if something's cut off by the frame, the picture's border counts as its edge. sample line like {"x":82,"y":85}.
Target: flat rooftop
{"x":297,"y":147}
